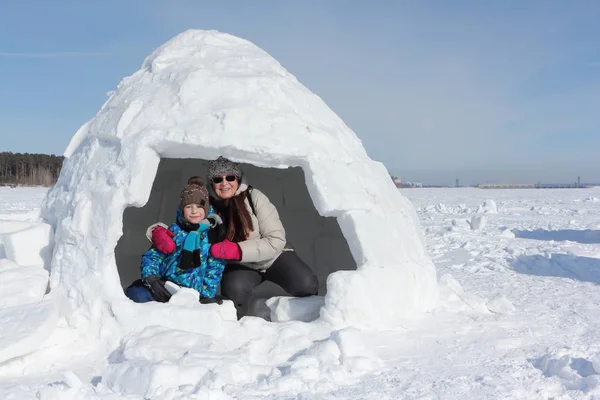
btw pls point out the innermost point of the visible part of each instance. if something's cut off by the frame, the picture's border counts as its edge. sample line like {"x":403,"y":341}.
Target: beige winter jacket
{"x":267,"y":240}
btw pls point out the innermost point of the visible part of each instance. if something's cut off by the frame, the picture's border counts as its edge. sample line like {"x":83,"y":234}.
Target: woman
{"x":255,"y":239}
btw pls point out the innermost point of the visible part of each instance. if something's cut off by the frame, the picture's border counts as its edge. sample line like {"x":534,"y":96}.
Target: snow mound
{"x":201,"y":95}
{"x":269,"y":358}
{"x":507,"y":233}
{"x":461,"y":223}
{"x":442,"y":209}
{"x":455,"y":297}
{"x":488,"y":207}
{"x":478,"y":222}
{"x":575,"y":373}
{"x":500,"y":304}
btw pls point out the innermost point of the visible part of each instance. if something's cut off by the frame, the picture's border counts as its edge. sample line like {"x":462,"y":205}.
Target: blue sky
{"x":505,"y":91}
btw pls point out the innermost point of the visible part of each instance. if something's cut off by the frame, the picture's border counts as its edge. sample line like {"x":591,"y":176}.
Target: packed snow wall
{"x":317,"y":240}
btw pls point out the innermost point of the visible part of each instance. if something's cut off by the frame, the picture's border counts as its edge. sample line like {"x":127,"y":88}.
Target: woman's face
{"x":225,"y":185}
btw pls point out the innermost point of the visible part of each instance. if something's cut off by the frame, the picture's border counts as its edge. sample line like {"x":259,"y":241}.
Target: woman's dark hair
{"x":235,"y":215}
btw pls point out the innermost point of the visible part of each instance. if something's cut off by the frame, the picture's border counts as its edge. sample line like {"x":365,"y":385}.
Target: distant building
{"x":398,"y":182}
{"x":538,"y":185}
{"x":506,"y":186}
{"x":413,"y":184}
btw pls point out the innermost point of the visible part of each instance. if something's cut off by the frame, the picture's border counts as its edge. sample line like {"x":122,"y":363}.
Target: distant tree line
{"x":29,"y":169}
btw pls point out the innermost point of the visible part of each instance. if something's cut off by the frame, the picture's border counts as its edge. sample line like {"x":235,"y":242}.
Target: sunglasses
{"x":228,"y":178}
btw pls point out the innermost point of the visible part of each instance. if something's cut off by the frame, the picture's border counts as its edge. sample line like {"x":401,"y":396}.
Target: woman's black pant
{"x":288,"y":271}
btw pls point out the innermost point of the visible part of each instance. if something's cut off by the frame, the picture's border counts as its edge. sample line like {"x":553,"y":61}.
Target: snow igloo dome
{"x":206,"y":94}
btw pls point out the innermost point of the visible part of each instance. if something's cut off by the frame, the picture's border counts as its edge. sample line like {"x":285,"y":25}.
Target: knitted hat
{"x":222,"y":166}
{"x":194,"y":193}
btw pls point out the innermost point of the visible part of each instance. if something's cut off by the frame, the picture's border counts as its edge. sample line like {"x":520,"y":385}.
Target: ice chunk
{"x":488,"y":207}
{"x":507,"y":233}
{"x":441,"y":208}
{"x":460,"y":223}
{"x":478,"y":222}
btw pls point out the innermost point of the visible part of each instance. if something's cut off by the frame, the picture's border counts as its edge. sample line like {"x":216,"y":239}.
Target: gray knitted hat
{"x":222,"y":166}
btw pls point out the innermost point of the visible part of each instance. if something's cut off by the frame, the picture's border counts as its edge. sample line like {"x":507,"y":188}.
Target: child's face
{"x":193,"y":213}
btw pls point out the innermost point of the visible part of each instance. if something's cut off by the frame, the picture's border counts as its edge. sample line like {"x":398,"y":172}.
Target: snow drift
{"x":201,"y":95}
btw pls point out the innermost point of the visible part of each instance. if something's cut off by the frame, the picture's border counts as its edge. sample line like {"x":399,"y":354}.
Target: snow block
{"x":22,"y":285}
{"x":305,"y":309}
{"x":488,"y":207}
{"x":24,"y":328}
{"x":478,"y":222}
{"x":31,"y":246}
{"x":351,"y":343}
{"x":179,"y":313}
{"x":507,"y":233}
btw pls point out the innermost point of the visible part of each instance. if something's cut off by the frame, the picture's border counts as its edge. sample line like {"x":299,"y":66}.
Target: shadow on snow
{"x":587,"y":236}
{"x":585,"y":269}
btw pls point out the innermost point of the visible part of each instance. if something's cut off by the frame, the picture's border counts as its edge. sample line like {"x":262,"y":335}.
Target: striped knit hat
{"x":194,"y":193}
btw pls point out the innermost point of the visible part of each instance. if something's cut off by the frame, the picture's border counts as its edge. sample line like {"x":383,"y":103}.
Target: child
{"x":190,"y":263}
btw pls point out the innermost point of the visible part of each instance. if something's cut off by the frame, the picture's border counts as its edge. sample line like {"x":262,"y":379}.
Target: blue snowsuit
{"x":205,"y":278}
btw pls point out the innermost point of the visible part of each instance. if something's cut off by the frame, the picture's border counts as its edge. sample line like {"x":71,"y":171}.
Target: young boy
{"x":190,"y":264}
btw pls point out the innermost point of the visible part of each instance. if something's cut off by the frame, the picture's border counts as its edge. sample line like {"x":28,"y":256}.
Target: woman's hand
{"x":162,"y":239}
{"x":226,"y":250}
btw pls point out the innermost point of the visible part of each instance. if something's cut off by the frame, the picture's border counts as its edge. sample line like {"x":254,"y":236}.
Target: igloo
{"x":205,"y":94}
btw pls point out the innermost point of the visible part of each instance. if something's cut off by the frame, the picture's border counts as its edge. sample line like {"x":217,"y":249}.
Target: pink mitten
{"x":163,"y":240}
{"x":226,"y":250}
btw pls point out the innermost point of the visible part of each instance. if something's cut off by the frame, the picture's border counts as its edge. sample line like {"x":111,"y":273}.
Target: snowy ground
{"x":519,"y":319}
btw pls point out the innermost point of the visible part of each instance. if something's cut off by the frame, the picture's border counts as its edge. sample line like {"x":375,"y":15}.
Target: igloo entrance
{"x":318,"y":240}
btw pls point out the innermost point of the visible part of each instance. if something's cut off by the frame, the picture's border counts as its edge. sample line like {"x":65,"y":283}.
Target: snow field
{"x":514,"y":316}
{"x":519,"y":315}
{"x":25,"y":246}
{"x":518,"y":318}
